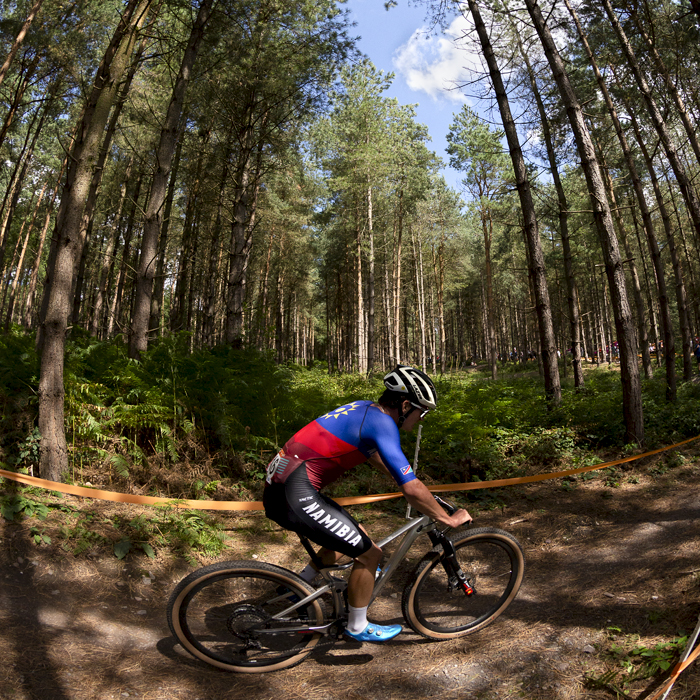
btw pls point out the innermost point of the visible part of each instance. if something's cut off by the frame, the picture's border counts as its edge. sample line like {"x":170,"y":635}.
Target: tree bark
{"x":20,"y":264}
{"x":360,"y":300}
{"x":53,"y":451}
{"x":690,"y":128}
{"x":108,"y":256}
{"x":552,"y":383}
{"x":246,"y":188}
{"x":116,"y":304}
{"x":571,"y":286}
{"x":666,"y":323}
{"x":18,"y":95}
{"x":684,"y":183}
{"x":370,"y":301}
{"x":19,"y":39}
{"x":153,"y":218}
{"x":624,"y":323}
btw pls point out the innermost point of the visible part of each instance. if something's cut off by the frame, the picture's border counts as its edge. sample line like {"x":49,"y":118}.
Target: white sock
{"x":357,"y":619}
{"x":309,"y":573}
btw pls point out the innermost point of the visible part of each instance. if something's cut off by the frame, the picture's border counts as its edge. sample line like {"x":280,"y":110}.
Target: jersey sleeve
{"x":381,"y":431}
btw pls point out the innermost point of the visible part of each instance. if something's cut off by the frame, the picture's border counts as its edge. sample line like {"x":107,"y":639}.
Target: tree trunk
{"x":118,"y":293}
{"x":690,"y":128}
{"x":667,"y":327}
{"x":108,"y":256}
{"x":153,"y":217}
{"x":19,"y":39}
{"x":34,"y":278}
{"x":681,"y":298}
{"x":643,"y":338}
{"x":20,"y":264}
{"x":532,"y":236}
{"x":19,"y":173}
{"x":624,"y":323}
{"x":571,"y":287}
{"x":360,"y":309}
{"x":86,"y":223}
{"x":370,"y":326}
{"x":397,"y":281}
{"x":420,"y":297}
{"x":209,"y":320}
{"x":57,"y":306}
{"x":22,"y":86}
{"x":246,"y":179}
{"x":684,"y":182}
{"x":490,"y":329}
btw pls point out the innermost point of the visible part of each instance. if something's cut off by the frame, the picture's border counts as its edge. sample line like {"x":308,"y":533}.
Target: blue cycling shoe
{"x":376,"y":633}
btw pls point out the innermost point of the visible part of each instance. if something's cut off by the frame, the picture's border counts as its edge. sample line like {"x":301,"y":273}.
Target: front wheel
{"x":228,"y":614}
{"x":436,"y":606}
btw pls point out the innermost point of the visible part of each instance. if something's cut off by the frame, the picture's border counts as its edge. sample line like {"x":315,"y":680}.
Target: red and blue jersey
{"x":340,"y":440}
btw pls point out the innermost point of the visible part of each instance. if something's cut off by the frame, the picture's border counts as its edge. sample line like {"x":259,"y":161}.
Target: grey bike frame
{"x":411,"y":530}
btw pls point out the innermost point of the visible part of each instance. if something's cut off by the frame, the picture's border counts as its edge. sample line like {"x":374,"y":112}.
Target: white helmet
{"x":418,"y":385}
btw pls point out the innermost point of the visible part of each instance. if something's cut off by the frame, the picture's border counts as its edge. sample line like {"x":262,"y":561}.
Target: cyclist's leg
{"x":323,"y":521}
{"x":329,"y":557}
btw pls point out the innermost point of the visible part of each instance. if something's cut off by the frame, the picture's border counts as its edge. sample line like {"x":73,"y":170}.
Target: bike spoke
{"x":229,"y":618}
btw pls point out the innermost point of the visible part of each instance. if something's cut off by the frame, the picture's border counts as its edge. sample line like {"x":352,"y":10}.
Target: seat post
{"x":312,"y":552}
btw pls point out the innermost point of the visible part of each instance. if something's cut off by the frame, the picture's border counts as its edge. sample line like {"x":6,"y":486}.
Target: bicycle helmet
{"x":416,"y":384}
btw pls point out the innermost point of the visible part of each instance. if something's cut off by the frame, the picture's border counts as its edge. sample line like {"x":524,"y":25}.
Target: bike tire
{"x":492,"y":560}
{"x":212,"y":611}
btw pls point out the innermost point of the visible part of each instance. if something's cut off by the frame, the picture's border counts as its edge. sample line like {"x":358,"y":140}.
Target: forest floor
{"x":607,"y":568}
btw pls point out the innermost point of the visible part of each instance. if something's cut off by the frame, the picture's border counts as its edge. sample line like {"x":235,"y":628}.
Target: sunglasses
{"x":423,"y":411}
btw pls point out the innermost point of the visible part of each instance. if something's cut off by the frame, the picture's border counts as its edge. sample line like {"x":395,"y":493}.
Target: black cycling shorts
{"x":296,"y":505}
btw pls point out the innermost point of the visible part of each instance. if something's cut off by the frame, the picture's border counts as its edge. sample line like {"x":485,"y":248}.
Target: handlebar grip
{"x":451,"y":510}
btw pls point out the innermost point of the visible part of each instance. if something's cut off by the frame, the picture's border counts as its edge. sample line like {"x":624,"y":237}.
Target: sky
{"x":426,"y":67}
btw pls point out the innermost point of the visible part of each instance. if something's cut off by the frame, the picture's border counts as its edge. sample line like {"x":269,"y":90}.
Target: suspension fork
{"x":455,"y":575}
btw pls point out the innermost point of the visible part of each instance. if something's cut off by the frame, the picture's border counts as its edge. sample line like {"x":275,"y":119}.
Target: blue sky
{"x":426,"y":67}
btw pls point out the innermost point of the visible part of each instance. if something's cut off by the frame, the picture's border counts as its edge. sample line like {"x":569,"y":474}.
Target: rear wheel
{"x":224,"y":614}
{"x":436,"y":606}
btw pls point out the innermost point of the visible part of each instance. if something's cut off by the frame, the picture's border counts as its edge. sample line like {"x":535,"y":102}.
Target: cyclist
{"x":362,"y":431}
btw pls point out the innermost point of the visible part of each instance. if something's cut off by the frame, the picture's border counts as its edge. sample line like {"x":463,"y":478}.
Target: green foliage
{"x":121,"y":411}
{"x":15,"y":506}
{"x":39,"y":536}
{"x":18,"y":386}
{"x":186,"y":532}
{"x":238,"y":406}
{"x":638,"y":662}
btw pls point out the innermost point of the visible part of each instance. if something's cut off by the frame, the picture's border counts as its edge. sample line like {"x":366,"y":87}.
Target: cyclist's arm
{"x":418,"y":495}
{"x":376,"y":461}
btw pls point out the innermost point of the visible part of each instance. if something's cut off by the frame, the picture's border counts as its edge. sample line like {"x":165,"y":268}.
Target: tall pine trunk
{"x":153,"y":218}
{"x":548,"y":343}
{"x":684,"y":183}
{"x":624,"y":322}
{"x":571,"y":286}
{"x":53,"y":451}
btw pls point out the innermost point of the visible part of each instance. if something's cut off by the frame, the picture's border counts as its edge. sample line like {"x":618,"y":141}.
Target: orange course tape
{"x":351,"y":500}
{"x":676,"y":672}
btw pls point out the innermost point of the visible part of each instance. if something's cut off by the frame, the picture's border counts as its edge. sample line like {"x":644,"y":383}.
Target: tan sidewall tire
{"x":425,"y":566}
{"x":239,"y":568}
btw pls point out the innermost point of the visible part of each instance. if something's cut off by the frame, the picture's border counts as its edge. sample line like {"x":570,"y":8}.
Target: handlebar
{"x":451,"y":510}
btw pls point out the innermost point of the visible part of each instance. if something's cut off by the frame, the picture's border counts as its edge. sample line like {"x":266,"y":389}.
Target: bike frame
{"x":335,"y":586}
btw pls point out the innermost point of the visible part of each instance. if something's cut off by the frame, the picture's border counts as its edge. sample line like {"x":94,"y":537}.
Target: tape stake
{"x":415,"y":464}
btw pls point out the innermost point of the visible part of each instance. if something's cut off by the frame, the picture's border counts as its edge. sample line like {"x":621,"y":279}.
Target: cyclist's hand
{"x":459,"y":517}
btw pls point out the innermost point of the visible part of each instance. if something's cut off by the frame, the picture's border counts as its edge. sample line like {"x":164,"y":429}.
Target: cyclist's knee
{"x":371,"y":557}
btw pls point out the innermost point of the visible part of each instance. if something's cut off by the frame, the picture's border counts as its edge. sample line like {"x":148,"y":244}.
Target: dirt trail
{"x":597,"y":557}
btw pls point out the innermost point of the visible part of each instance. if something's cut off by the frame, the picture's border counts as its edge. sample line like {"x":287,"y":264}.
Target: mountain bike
{"x":254,"y":617}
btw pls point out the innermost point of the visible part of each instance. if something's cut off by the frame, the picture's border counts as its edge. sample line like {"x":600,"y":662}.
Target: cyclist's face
{"x":413,"y":416}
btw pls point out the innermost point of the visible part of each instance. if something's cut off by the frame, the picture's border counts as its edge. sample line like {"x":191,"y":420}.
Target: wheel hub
{"x":243,"y":621}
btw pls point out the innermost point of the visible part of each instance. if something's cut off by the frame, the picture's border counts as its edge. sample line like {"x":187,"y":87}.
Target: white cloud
{"x":436,"y":65}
